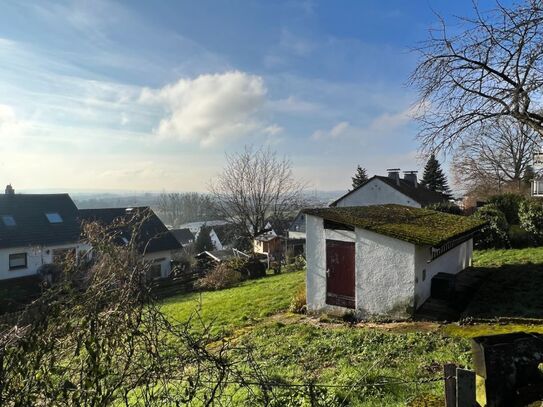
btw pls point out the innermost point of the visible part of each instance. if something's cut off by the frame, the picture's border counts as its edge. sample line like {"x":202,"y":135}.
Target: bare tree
{"x":496,"y":157}
{"x":177,"y":208}
{"x":491,"y":67}
{"x":254,"y":186}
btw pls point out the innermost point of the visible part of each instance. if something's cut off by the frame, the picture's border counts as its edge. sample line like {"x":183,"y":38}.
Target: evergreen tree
{"x":359,"y":177}
{"x":203,"y":241}
{"x":434,"y":179}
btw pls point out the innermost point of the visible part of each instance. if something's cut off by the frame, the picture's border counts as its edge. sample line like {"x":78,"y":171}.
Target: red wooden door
{"x":340,"y":271}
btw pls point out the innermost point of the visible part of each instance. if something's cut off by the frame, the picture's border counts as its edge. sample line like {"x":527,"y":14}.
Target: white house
{"x":35,"y":229}
{"x":378,"y":190}
{"x":154,"y":241}
{"x":392,"y":189}
{"x":380,"y":260}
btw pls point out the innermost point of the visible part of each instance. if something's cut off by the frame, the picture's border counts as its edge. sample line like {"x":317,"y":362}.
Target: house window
{"x":54,"y":217}
{"x":17,"y":261}
{"x":8,"y":220}
{"x":423,"y":274}
{"x":155,"y":271}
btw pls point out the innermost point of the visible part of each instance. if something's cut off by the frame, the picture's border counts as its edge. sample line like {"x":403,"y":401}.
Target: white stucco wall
{"x":36,"y":257}
{"x":451,"y":262}
{"x":384,"y":275}
{"x":162,"y":257}
{"x":376,"y":192}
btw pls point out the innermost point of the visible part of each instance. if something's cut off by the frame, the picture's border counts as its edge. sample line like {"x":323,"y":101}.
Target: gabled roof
{"x":153,"y":236}
{"x":183,"y":236}
{"x":32,"y":228}
{"x":414,"y":225}
{"x":419,"y":194}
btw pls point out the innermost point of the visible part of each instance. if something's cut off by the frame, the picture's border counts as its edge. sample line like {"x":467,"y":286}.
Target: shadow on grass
{"x":509,"y":291}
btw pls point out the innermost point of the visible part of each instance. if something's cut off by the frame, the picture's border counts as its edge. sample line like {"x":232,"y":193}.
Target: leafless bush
{"x":221,"y":276}
{"x":96,"y":338}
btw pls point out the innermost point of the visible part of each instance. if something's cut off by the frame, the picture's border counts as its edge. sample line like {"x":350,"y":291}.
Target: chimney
{"x":10,"y":190}
{"x":394,"y":173}
{"x":411,"y":177}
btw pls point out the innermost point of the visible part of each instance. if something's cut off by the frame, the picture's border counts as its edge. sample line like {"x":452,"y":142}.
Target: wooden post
{"x":449,"y":371}
{"x":465,"y":388}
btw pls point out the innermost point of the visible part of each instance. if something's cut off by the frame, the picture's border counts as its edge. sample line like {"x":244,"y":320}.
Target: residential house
{"x":154,"y":241}
{"x":392,"y":189}
{"x":35,"y":230}
{"x":270,"y":241}
{"x":296,"y":236}
{"x":380,"y":260}
{"x":378,"y":190}
{"x":183,"y":236}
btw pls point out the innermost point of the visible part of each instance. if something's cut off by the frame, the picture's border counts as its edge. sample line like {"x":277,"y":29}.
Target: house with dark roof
{"x":392,"y":189}
{"x":382,"y":260}
{"x":378,"y":190}
{"x":35,"y":230}
{"x":152,"y":239}
{"x":184,"y":236}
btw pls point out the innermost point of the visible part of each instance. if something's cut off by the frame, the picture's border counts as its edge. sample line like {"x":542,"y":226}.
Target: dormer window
{"x":8,"y":220}
{"x":54,"y":217}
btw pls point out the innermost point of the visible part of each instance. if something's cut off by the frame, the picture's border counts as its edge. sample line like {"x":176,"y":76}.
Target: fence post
{"x":465,"y":388}
{"x":449,"y":371}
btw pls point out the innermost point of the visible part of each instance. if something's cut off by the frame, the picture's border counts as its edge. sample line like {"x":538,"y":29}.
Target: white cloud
{"x":383,"y":125}
{"x":211,"y":108}
{"x":339,"y":130}
{"x":10,"y":126}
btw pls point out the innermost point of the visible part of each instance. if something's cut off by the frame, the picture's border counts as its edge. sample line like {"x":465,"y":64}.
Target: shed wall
{"x":384,"y":275}
{"x":451,"y":262}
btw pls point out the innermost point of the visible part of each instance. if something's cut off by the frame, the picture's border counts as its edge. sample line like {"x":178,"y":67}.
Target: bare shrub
{"x":222,"y":276}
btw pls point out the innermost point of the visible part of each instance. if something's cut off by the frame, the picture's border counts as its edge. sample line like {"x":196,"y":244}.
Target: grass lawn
{"x":240,"y":306}
{"x":302,"y":349}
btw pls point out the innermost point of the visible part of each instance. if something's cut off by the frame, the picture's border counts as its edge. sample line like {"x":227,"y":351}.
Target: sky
{"x":151,"y":95}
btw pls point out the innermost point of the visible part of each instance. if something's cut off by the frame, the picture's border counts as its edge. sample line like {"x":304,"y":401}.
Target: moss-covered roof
{"x":414,"y":225}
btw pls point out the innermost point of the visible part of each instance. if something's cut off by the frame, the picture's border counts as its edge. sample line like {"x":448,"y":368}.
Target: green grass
{"x":299,"y":349}
{"x":240,"y":306}
{"x":357,"y":358}
{"x":497,"y":258}
{"x":514,"y":286}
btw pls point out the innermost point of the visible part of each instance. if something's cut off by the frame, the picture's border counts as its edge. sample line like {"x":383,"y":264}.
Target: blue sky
{"x":149,"y":95}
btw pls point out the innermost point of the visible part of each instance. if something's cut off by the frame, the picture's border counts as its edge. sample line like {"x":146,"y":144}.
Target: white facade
{"x":162,"y":259}
{"x":36,"y":256}
{"x":376,"y":192}
{"x":392,"y":277}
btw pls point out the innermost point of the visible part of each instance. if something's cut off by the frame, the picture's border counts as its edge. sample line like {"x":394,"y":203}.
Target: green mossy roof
{"x":414,"y":225}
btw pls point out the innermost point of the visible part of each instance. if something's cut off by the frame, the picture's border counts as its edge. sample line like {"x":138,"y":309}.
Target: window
{"x":423,"y":274}
{"x":155,"y":271}
{"x":17,"y":261}
{"x":54,"y":217}
{"x":8,"y":220}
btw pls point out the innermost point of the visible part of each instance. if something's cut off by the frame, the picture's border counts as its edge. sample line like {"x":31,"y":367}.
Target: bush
{"x":509,"y":204}
{"x":222,"y":276}
{"x":447,"y":207}
{"x":494,"y":234}
{"x":298,"y":263}
{"x":520,"y":238}
{"x":298,"y":304}
{"x":531,"y":218}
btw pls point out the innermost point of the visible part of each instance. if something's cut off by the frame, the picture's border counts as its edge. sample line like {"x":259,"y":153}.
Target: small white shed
{"x":380,"y":260}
